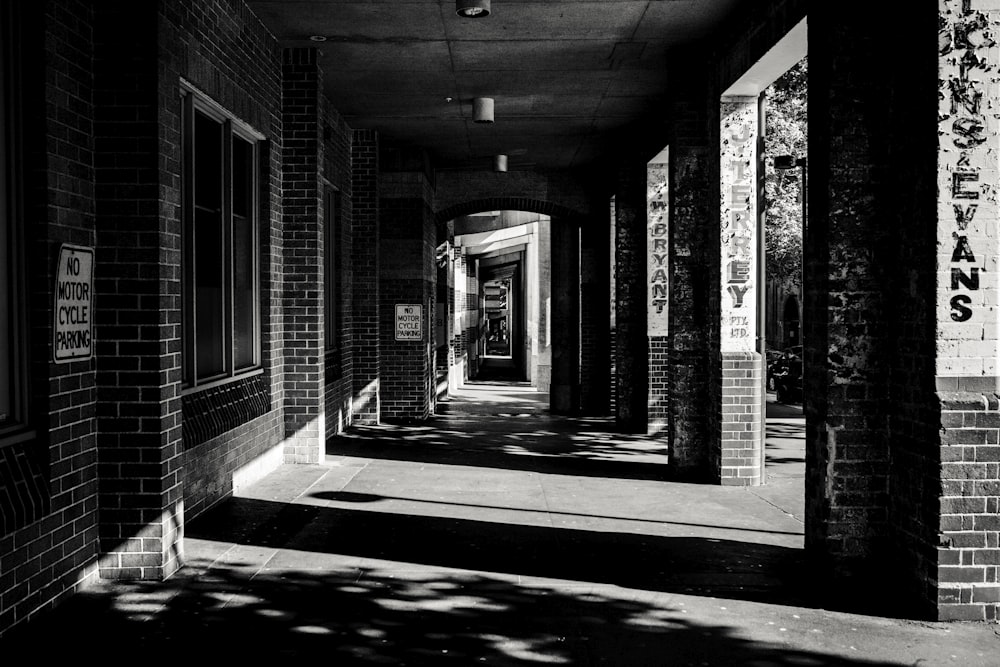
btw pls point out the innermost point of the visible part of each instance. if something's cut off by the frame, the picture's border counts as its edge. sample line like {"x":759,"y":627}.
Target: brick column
{"x":365,"y":262}
{"x":740,"y":458}
{"x":658,"y":295}
{"x":443,"y":312}
{"x":407,"y":281}
{"x":472,"y":321}
{"x":848,"y":259}
{"x":595,"y":320}
{"x":564,"y":392}
{"x":968,"y":297}
{"x":689,"y":386}
{"x":694,"y":255}
{"x":542,"y":271}
{"x":302,"y":300}
{"x":631,"y":360}
{"x":138,"y":313}
{"x":459,"y":370}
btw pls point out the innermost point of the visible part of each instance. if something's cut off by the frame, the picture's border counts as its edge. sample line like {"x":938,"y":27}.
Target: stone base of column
{"x":564,"y":398}
{"x":308,"y":443}
{"x":741,"y":455}
{"x":151,"y":553}
{"x":365,"y":406}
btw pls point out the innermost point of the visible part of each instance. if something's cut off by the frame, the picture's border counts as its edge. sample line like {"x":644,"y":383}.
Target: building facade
{"x":207,"y":270}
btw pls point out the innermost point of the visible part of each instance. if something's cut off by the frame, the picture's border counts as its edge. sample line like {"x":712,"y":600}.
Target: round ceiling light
{"x":472,"y":9}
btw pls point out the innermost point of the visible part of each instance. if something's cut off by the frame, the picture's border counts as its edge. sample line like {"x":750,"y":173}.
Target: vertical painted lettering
{"x":657,"y":240}
{"x":739,"y":222}
{"x":967,"y":169}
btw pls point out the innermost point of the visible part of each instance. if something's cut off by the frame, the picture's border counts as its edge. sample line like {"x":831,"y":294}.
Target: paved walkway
{"x":497,"y":535}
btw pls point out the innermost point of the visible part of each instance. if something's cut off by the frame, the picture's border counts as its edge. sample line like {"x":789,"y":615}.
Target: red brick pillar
{"x":595,"y":320}
{"x":631,"y":350}
{"x":365,"y":263}
{"x":139,"y":439}
{"x":564,"y":392}
{"x":740,"y":459}
{"x":847,"y":309}
{"x":693,"y":299}
{"x":407,"y":284}
{"x":460,"y":360}
{"x":302,"y":156}
{"x":658,"y":294}
{"x":472,"y":315}
{"x":542,"y":270}
{"x":444,"y":324}
{"x":967,"y":335}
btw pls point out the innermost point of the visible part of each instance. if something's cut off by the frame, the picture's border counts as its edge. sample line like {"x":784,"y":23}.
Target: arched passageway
{"x":541,"y":253}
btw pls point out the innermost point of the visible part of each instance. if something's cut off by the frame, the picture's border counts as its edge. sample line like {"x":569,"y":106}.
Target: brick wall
{"x":459,"y":341}
{"x":340,"y":364}
{"x":365,"y":270}
{"x":407,"y":276}
{"x":225,"y":52}
{"x":657,"y":298}
{"x":658,"y":398}
{"x":965,"y":479}
{"x":915,"y":418}
{"x":472,"y":300}
{"x":138,"y":409}
{"x":51,"y":549}
{"x":303,"y":297}
{"x":550,"y":194}
{"x":961,"y":572}
{"x":631,"y":364}
{"x":847,"y":347}
{"x":443,"y":315}
{"x":595,"y":370}
{"x":564,"y":392}
{"x":740,"y":459}
{"x":688,"y":377}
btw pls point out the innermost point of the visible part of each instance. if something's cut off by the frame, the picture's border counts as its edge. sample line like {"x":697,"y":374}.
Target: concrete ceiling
{"x":564,"y":74}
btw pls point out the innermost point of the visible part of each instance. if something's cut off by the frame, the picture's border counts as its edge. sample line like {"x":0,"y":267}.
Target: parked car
{"x":786,"y":375}
{"x":771,"y":357}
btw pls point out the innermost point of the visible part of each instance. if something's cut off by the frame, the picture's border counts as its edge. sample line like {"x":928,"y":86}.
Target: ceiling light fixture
{"x":482,"y":109}
{"x":472,"y":9}
{"x":500,"y":163}
{"x":317,"y":38}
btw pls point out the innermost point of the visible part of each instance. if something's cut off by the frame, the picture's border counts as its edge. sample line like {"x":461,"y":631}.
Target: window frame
{"x":192,"y":103}
{"x":14,"y":350}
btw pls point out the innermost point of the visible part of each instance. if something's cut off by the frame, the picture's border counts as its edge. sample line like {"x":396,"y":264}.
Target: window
{"x":13,"y":318}
{"x":331,"y":267}
{"x":221,"y":276}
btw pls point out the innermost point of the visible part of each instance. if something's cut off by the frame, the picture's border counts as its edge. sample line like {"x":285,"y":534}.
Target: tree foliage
{"x":785,"y":134}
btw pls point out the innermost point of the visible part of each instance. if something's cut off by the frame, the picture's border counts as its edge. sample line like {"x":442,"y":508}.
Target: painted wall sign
{"x":968,"y":170}
{"x":409,"y":321}
{"x":73,"y":305}
{"x":739,"y":226}
{"x":657,"y":240}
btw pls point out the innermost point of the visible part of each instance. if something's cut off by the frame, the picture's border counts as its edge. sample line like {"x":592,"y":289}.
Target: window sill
{"x":243,"y":375}
{"x":14,"y":437}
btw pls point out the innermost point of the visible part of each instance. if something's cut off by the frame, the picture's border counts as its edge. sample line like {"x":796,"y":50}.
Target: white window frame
{"x":192,"y":101}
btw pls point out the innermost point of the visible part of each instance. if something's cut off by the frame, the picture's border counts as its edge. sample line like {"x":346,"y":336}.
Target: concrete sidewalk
{"x":498,"y":535}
